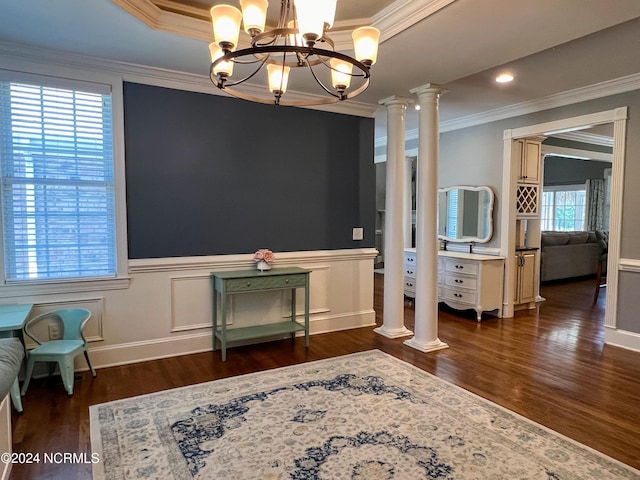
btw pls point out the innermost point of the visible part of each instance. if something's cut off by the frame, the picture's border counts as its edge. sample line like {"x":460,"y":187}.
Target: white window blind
{"x":57,"y":172}
{"x":452,"y":214}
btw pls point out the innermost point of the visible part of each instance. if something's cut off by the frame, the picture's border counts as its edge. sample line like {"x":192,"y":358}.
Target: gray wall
{"x":473,"y":156}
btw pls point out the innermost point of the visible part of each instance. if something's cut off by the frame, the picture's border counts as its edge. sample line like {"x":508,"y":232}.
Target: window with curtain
{"x":57,"y":182}
{"x":563,"y":208}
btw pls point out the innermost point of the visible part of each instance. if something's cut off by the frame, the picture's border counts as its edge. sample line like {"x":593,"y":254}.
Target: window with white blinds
{"x":57,"y":182}
{"x":452,"y":214}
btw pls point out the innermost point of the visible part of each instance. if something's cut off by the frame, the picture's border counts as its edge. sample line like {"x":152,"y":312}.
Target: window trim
{"x":562,"y":188}
{"x":73,"y":78}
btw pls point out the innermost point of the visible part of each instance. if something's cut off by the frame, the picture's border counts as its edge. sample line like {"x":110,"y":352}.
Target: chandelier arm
{"x":276,"y":33}
{"x":319,"y":82}
{"x":306,"y":52}
{"x":224,"y":84}
{"x":328,"y":65}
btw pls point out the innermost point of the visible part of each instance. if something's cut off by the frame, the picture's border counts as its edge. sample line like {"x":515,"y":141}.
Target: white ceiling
{"x":551,"y":45}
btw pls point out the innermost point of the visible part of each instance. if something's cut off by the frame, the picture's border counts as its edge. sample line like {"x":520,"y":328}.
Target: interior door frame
{"x":618,"y":117}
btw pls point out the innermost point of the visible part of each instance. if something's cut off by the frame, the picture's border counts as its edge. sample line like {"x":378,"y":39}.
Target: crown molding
{"x":578,"y":154}
{"x":599,"y":90}
{"x":585,"y":137}
{"x":403,"y":14}
{"x":607,"y":88}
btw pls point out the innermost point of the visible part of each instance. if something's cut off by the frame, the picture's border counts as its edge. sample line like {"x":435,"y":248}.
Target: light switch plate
{"x":358,"y":233}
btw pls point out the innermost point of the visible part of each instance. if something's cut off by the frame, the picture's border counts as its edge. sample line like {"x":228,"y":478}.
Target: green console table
{"x":246,"y":281}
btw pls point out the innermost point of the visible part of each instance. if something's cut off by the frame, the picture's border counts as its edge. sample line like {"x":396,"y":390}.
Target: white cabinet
{"x":527,"y":162}
{"x":528,"y":152}
{"x":525,"y":291}
{"x":410,"y":272}
{"x":465,"y":280}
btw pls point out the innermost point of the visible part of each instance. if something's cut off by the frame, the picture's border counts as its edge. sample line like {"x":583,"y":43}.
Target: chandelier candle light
{"x":291,"y":46}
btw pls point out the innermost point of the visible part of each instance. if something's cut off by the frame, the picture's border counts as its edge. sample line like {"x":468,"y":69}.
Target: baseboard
{"x":134,"y":352}
{"x":622,"y":338}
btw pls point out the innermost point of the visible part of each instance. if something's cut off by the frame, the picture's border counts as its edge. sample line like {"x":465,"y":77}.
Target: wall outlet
{"x":358,"y":233}
{"x":54,"y":331}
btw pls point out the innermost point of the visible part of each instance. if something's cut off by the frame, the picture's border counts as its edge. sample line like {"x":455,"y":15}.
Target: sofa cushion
{"x":11,"y":353}
{"x":578,"y":237}
{"x":603,"y":241}
{"x":552,"y":239}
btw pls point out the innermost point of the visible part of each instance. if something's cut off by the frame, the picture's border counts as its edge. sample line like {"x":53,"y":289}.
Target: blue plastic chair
{"x":62,"y":351}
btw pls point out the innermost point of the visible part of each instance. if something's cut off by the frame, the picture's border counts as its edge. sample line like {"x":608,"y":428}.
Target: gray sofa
{"x":568,"y":254}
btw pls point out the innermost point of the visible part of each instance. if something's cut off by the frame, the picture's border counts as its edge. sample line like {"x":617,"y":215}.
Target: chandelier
{"x":299,"y":43}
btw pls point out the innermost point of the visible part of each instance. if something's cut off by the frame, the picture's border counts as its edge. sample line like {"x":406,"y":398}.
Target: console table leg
{"x":214,"y":316}
{"x":223,"y":325}
{"x":306,"y":313}
{"x":293,"y":309}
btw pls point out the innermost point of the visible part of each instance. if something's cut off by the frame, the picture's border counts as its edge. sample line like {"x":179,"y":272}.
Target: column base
{"x":425,"y":346}
{"x":393,"y":332}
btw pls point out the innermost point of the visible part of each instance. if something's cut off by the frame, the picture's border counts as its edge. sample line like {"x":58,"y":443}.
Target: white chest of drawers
{"x":465,"y":280}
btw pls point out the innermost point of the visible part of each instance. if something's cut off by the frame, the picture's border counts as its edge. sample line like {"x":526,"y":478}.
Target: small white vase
{"x":262,"y":266}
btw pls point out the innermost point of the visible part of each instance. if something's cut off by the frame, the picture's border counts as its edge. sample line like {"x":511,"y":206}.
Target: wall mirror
{"x":465,"y":214}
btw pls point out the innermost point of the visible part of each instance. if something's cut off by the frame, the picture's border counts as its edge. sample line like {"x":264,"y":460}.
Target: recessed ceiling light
{"x":504,"y":78}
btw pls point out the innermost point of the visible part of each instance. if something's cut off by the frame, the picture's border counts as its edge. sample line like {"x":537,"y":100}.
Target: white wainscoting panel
{"x":166,"y":311}
{"x":190,"y":302}
{"x":93,"y":329}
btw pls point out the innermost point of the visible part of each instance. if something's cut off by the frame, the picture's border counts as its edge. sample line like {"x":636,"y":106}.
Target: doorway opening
{"x":618,"y":118}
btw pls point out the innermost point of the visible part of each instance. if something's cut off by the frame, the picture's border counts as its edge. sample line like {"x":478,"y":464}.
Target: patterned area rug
{"x":362,"y":416}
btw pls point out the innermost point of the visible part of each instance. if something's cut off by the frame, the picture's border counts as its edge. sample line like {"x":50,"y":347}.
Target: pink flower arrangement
{"x":263,"y":255}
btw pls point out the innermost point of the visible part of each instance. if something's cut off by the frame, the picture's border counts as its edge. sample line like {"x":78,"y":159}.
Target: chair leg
{"x":27,"y":377}
{"x":86,"y":356}
{"x":598,"y":281}
{"x":67,"y":372}
{"x":15,"y":396}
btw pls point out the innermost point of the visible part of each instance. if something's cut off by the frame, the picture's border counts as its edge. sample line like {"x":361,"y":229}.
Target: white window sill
{"x":21,"y":289}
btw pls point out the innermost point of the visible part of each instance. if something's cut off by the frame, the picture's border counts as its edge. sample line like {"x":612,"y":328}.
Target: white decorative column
{"x":407,"y":202}
{"x":393,"y":315}
{"x":426,"y":338}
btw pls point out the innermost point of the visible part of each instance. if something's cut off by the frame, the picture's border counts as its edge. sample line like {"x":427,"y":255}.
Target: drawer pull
{"x":409,"y":284}
{"x":459,"y":267}
{"x":410,"y":272}
{"x":248,"y":284}
{"x":286,"y":281}
{"x":457,"y":280}
{"x":457,"y":295}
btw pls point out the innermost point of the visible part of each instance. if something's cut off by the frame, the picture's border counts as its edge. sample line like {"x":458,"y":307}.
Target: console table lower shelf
{"x":246,"y":281}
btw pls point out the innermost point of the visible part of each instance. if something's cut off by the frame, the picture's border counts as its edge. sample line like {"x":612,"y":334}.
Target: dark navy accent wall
{"x":211,"y":175}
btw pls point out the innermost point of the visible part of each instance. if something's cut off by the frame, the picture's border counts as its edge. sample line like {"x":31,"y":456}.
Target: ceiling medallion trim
{"x":392,"y":20}
{"x":158,"y":19}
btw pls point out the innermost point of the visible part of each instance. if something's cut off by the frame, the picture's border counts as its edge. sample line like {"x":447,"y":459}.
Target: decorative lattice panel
{"x":527,"y":200}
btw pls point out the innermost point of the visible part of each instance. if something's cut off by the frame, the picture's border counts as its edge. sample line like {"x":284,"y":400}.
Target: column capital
{"x":395,"y":100}
{"x":429,"y":88}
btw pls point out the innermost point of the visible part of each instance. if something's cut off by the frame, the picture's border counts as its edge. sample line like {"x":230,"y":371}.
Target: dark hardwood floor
{"x":548,"y":365}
